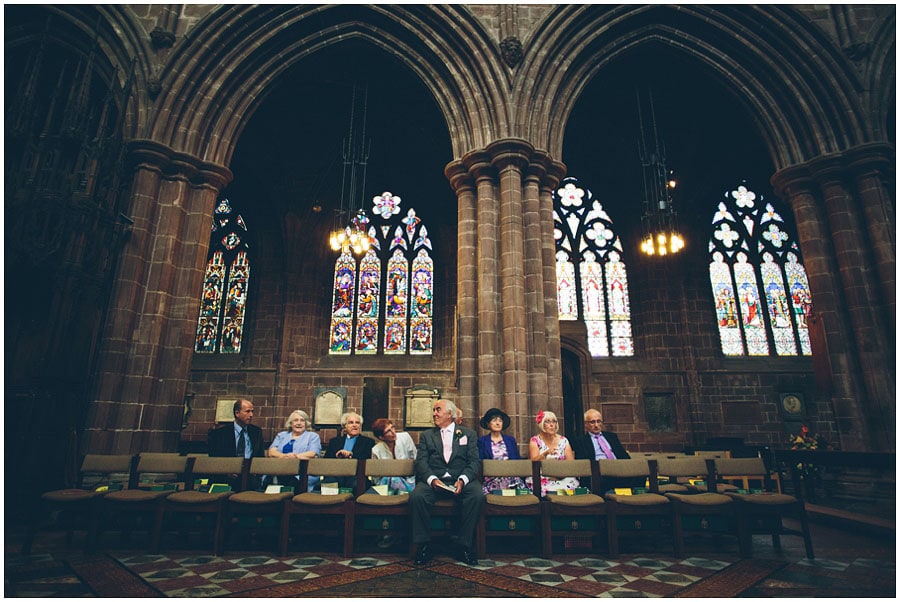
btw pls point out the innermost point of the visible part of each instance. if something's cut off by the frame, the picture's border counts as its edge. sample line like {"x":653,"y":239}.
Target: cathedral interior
{"x":174,"y":173}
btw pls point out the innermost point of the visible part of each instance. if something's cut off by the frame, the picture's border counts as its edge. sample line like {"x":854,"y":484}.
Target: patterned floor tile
{"x":547,"y":578}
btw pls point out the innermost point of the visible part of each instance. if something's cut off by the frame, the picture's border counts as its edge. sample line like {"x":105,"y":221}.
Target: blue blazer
{"x":485,"y":452}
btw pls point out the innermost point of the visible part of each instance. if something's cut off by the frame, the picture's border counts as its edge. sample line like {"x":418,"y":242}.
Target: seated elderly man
{"x":350,"y":444}
{"x":447,"y":467}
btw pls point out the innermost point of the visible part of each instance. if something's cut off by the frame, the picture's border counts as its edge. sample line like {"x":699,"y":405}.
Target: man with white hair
{"x":447,"y":467}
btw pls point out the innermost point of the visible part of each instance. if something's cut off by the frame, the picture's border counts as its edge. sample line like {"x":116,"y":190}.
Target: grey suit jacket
{"x":463,"y":460}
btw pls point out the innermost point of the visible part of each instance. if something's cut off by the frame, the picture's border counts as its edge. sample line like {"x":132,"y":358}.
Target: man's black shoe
{"x":423,"y":555}
{"x":468,"y":556}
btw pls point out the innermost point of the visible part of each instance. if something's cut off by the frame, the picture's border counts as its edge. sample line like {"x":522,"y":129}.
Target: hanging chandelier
{"x":353,"y":236}
{"x":661,"y":235}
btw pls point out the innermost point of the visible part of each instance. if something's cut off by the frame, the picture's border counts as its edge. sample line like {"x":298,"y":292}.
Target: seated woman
{"x":549,"y":444}
{"x":393,"y":445}
{"x":497,"y":446}
{"x":297,"y":442}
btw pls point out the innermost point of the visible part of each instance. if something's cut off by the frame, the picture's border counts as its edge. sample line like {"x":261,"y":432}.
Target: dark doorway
{"x":573,"y":406}
{"x":375,"y":400}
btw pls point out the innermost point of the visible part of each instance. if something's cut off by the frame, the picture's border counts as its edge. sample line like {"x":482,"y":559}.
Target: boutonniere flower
{"x":457,"y":434}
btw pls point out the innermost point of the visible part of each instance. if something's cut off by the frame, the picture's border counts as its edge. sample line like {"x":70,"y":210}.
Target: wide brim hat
{"x":490,"y":415}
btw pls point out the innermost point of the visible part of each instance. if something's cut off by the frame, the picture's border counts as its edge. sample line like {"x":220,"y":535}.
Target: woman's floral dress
{"x":499,"y":451}
{"x":558,"y":454}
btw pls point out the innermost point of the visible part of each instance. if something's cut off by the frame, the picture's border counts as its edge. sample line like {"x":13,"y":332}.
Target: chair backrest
{"x":100,"y":463}
{"x":162,"y":462}
{"x":559,"y":469}
{"x":685,"y":466}
{"x":391,"y":467}
{"x":331,"y":467}
{"x":225,"y":465}
{"x":282,"y":467}
{"x":713,"y":454}
{"x":749,"y":467}
{"x":635,"y":467}
{"x":506,"y":468}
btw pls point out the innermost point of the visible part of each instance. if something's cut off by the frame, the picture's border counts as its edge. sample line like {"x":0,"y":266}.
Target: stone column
{"x":847,"y":295}
{"x":147,"y":345}
{"x":467,"y":285}
{"x":507,"y":282}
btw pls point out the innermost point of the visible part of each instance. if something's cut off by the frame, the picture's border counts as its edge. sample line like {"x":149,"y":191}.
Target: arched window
{"x":758,"y":281}
{"x":591,"y":281}
{"x":223,"y":303}
{"x":389,"y":290}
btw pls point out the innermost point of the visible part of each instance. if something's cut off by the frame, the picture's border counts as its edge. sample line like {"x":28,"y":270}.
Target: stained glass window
{"x":759,"y":285}
{"x":388,"y":290}
{"x":223,"y":302}
{"x":591,"y":280}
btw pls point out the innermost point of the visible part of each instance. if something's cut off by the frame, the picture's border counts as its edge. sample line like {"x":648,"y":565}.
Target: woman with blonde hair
{"x":550,"y":445}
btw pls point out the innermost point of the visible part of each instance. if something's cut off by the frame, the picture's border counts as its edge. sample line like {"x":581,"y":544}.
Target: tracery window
{"x":223,"y":302}
{"x":383,"y":303}
{"x":591,"y":280}
{"x":758,"y":280}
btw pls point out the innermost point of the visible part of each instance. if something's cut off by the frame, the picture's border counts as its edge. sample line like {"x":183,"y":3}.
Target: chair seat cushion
{"x":676,"y":487}
{"x":133,"y":496}
{"x":701,"y":499}
{"x":197,"y":497}
{"x":764,"y":499}
{"x":512,"y":501}
{"x":374,"y":499}
{"x":587,"y":499}
{"x":70,"y":495}
{"x":317,"y":499}
{"x":642,"y":499}
{"x":720,"y":487}
{"x":257,"y":498}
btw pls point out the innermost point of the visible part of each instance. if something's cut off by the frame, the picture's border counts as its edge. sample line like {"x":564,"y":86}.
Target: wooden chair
{"x":324,"y":515}
{"x":386,"y":514}
{"x":702,"y":512}
{"x":79,"y":502}
{"x":764,"y":512}
{"x":144,"y":498}
{"x":256,"y":508}
{"x":634,"y":514}
{"x":568,"y":515}
{"x":202,"y":504}
{"x":504,"y":516}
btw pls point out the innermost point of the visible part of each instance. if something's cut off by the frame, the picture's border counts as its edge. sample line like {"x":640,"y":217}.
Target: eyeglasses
{"x":551,"y":421}
{"x":595,"y":422}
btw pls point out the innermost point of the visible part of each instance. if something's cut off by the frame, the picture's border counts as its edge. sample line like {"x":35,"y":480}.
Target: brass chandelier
{"x":353,"y":236}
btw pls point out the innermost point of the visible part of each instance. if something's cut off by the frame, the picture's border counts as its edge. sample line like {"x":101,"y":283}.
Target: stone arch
{"x":882,"y":76}
{"x":783,"y":80}
{"x":236,"y":52}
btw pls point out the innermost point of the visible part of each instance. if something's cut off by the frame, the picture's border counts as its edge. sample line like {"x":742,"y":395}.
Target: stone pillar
{"x":872,"y":166}
{"x":467,"y":288}
{"x":847,"y":295}
{"x":147,"y":345}
{"x":507,"y":282}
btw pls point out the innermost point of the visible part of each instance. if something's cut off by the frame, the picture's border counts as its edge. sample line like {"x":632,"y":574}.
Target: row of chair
{"x":671,"y":509}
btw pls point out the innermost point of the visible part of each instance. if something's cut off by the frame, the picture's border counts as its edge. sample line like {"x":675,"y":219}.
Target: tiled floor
{"x":847,"y":564}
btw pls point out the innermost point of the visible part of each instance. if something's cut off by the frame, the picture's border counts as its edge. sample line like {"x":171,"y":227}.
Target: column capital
{"x":172,"y":164}
{"x":479,"y":164}
{"x":510,"y":152}
{"x":459,"y":177}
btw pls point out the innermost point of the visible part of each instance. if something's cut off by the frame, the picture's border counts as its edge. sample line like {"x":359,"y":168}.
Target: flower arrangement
{"x":807,"y":441}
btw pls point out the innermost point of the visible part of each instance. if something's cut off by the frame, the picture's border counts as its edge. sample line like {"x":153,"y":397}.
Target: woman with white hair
{"x":299,"y":441}
{"x":549,"y":444}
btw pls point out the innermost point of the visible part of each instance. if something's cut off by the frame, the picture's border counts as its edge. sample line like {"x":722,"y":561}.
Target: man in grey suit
{"x":447,"y":466}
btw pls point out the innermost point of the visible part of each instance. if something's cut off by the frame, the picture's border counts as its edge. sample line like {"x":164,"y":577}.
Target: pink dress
{"x":558,"y":454}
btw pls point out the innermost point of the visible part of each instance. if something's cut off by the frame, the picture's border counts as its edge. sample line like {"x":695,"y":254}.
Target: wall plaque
{"x":659,"y":410}
{"x":329,"y":406}
{"x":419,"y":401}
{"x":225,"y":410}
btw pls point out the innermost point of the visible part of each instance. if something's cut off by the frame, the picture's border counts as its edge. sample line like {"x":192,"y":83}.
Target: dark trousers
{"x":423,"y":497}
